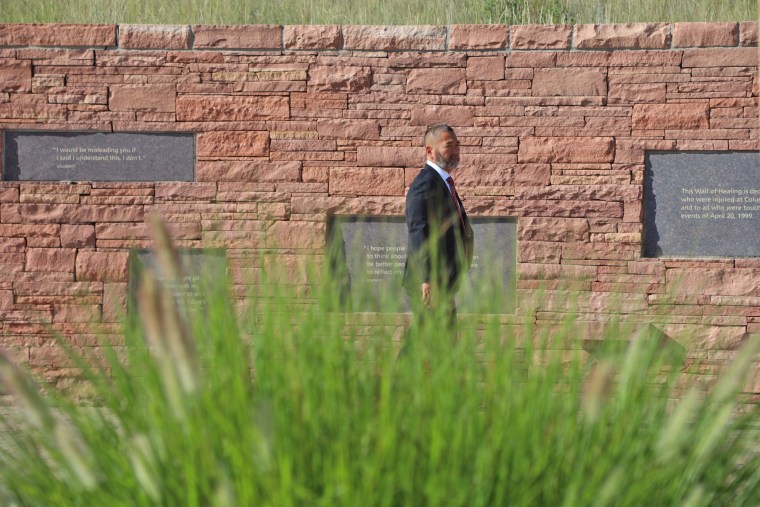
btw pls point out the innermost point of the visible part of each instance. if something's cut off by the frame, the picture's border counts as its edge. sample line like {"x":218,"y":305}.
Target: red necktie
{"x":454,"y":194}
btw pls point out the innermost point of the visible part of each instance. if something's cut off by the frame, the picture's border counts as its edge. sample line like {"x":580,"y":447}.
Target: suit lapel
{"x":448,"y":199}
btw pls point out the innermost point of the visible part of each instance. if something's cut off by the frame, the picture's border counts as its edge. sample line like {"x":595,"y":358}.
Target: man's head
{"x":442,"y":147}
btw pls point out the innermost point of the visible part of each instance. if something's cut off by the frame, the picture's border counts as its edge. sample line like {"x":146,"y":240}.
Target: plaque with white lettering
{"x":98,"y":156}
{"x":368,"y":256}
{"x":204,"y":273}
{"x":702,"y":204}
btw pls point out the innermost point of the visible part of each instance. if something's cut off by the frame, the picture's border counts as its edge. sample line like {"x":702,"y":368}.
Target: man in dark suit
{"x":440,"y":246}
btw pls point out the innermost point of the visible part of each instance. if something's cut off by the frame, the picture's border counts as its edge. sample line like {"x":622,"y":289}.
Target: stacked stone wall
{"x":296,"y":123}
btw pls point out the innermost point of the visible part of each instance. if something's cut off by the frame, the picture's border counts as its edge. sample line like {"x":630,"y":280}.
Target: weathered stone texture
{"x":232,"y":143}
{"x":568,"y":82}
{"x":566,"y":149}
{"x":57,"y":35}
{"x":77,"y":236}
{"x":394,"y":38}
{"x":748,"y":33}
{"x":471,"y":37}
{"x":540,"y":36}
{"x":248,"y":171}
{"x":366,"y":181}
{"x":623,"y":36}
{"x":204,"y":108}
{"x":349,"y":129}
{"x":456,"y":116}
{"x":312,"y":37}
{"x":155,"y":36}
{"x":339,"y":79}
{"x":15,"y":76}
{"x":720,"y":57}
{"x":670,"y":116}
{"x":485,"y":68}
{"x":102,"y":266}
{"x":389,"y":156}
{"x":159,"y":98}
{"x":237,"y":37}
{"x":444,"y":81}
{"x":50,"y":259}
{"x":705,"y":34}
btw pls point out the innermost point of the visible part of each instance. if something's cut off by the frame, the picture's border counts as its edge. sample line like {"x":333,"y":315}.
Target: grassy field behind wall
{"x":398,"y":12}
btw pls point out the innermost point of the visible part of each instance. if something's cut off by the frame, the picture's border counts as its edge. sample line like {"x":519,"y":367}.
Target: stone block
{"x":240,"y":170}
{"x":366,"y":181}
{"x":714,"y":282}
{"x":30,"y":231}
{"x":566,"y":149}
{"x":348,"y":129}
{"x":540,"y":36}
{"x":15,"y":76}
{"x":569,"y":83}
{"x":390,"y":156}
{"x":720,"y":57}
{"x":155,"y":36}
{"x":748,"y":33}
{"x":102,"y":266}
{"x":55,"y":34}
{"x":50,"y":259}
{"x":670,"y":116}
{"x":553,"y":229}
{"x":77,"y":236}
{"x":456,"y":116}
{"x":531,"y":59}
{"x":296,"y":235}
{"x":623,"y":36}
{"x":445,"y":81}
{"x":207,"y":108}
{"x":539,"y":252}
{"x":636,"y":93}
{"x":646,"y":58}
{"x":312,"y":37}
{"x":10,"y":194}
{"x":78,"y":213}
{"x":76,"y":313}
{"x":473,"y":37}
{"x":185,"y":191}
{"x":237,"y":36}
{"x":687,"y":35}
{"x":328,"y":78}
{"x":394,"y":38}
{"x":157,"y":98}
{"x":233,"y":143}
{"x":485,"y":68}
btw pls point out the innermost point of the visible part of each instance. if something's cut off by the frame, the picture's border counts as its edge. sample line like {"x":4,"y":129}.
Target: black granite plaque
{"x":97,"y":156}
{"x":205,"y":273}
{"x":369,"y":254}
{"x":700,"y":204}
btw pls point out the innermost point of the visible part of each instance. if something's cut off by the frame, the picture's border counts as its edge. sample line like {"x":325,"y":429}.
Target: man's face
{"x":446,"y":151}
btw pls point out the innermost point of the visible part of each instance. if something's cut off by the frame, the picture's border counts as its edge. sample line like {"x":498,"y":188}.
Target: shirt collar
{"x":443,"y":174}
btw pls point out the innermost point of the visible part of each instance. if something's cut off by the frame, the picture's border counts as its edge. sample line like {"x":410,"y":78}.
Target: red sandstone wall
{"x":297,"y":122}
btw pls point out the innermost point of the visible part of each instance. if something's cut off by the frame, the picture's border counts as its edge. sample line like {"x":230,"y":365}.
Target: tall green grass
{"x":291,"y":405}
{"x":397,"y":12}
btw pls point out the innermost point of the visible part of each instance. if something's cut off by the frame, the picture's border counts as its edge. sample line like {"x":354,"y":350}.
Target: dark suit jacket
{"x":440,"y":245}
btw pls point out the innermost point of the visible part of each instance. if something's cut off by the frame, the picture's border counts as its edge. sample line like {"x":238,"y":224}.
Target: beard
{"x":446,"y":163}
